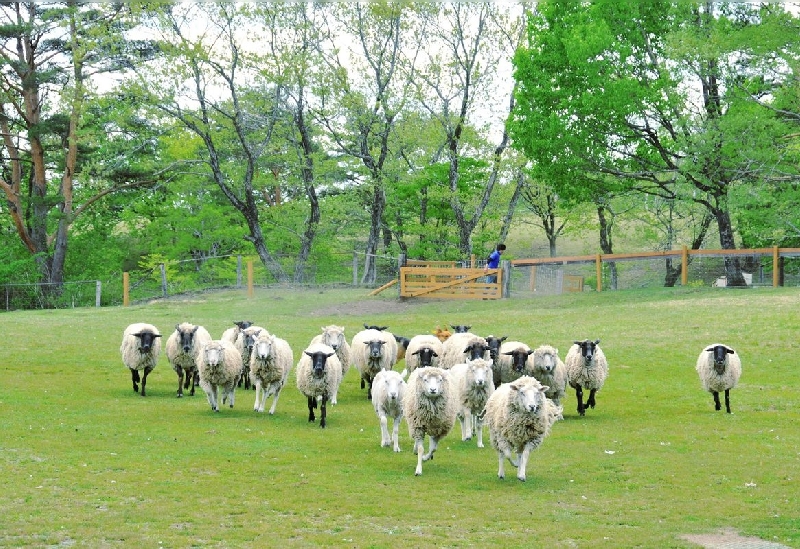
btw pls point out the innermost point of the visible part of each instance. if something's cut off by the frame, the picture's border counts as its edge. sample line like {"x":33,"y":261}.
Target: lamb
{"x":423,"y":350}
{"x":140,"y":347}
{"x":183,"y":346}
{"x":318,"y":375}
{"x":587,"y":368}
{"x":550,"y":370}
{"x":220,"y":365}
{"x":513,"y":361}
{"x":473,"y":384}
{"x":519,"y":417}
{"x":372,"y":351}
{"x":719,"y":368}
{"x":430,"y":408}
{"x":333,"y":336}
{"x":461,"y":347}
{"x":270,"y":363}
{"x":389,"y":390}
{"x":244,"y":344}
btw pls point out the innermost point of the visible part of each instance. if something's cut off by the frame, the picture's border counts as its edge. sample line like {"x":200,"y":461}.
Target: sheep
{"x":371,"y":352}
{"x":473,"y":384}
{"x":461,"y":347}
{"x":140,"y":347}
{"x":232,"y":334}
{"x":430,"y":408}
{"x":519,"y":417}
{"x":513,"y":361}
{"x":244,"y":344}
{"x":389,"y":390}
{"x":220,"y":365}
{"x":442,"y":334}
{"x":719,"y":368}
{"x":333,"y":336}
{"x":587,"y":368}
{"x":460,"y":328}
{"x":183,"y":346}
{"x":550,"y":370}
{"x":423,"y":350}
{"x":318,"y":376}
{"x":270,"y":363}
{"x":402,"y":347}
{"x":494,"y":344}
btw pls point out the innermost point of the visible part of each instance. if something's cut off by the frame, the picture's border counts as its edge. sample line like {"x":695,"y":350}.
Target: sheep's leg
{"x":385,"y":440}
{"x":211,"y":395}
{"x":231,"y":390}
{"x":144,"y":378}
{"x":323,"y":410}
{"x":523,"y":462}
{"x":369,"y":390}
{"x":362,"y":382}
{"x":501,"y":467}
{"x":312,"y":403}
{"x":468,"y":422}
{"x":420,"y":446}
{"x":717,"y":405}
{"x":135,"y":379}
{"x":396,"y":434}
{"x":579,"y":396}
{"x":478,"y":429}
{"x":257,"y":406}
{"x":179,"y":371}
{"x":463,"y":422}
{"x":432,"y":444}
{"x":333,"y":398}
{"x":590,"y":402}
{"x":275,"y":399}
{"x":727,"y":400}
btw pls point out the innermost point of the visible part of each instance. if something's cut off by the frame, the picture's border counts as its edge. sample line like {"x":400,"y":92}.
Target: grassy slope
{"x":87,"y":461}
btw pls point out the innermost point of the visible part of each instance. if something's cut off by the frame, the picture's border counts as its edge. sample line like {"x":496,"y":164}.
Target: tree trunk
{"x":512,"y":205}
{"x":371,"y":250}
{"x":733,"y":269}
{"x":307,"y":174}
{"x":606,"y":245}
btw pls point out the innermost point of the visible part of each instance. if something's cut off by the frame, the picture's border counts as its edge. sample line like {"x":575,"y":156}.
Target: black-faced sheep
{"x":141,"y":345}
{"x":461,"y":347}
{"x":423,"y":350}
{"x":244,"y":344}
{"x":587,"y":368}
{"x":333,"y":336}
{"x":550,"y":370}
{"x":519,"y":417}
{"x":270,"y":363}
{"x":460,"y":328}
{"x":429,"y":407}
{"x":513,"y":361}
{"x":388,"y":392}
{"x":232,"y":334}
{"x":318,"y":376}
{"x":473,"y":384}
{"x":220,"y":365}
{"x":371,"y":352}
{"x":719,"y":368}
{"x":183,"y":346}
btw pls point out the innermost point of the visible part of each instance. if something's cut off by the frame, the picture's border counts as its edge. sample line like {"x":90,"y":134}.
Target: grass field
{"x":86,"y":462}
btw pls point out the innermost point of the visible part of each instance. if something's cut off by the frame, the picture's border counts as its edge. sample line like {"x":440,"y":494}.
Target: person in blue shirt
{"x":494,"y":262}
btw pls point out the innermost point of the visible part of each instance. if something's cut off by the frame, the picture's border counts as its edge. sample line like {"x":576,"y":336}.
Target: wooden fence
{"x":435,"y":280}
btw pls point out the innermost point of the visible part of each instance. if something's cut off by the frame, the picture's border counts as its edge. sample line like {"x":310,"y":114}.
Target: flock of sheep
{"x":514,"y":390}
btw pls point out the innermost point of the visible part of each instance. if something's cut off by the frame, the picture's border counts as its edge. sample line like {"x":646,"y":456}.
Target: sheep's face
{"x":393,"y":385}
{"x":476,"y":350}
{"x":263,"y":347}
{"x":375,"y":348}
{"x":426,"y":356}
{"x":432,"y":384}
{"x":243,"y":324}
{"x":333,"y":336}
{"x":545,"y":361}
{"x":318,"y":361}
{"x":530,"y":397}
{"x":186,"y":338}
{"x":146,"y":341}
{"x":494,"y":345}
{"x":720,"y":354}
{"x":518,"y":358}
{"x":460,"y":328}
{"x":481,"y":371}
{"x":250,"y":337}
{"x":588,"y":350}
{"x":213,"y":354}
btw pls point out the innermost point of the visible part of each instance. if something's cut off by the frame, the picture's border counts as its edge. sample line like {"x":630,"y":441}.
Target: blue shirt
{"x":494,"y":260}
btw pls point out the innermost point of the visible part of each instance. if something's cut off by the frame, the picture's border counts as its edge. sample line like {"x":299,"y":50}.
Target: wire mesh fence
{"x":84,"y":293}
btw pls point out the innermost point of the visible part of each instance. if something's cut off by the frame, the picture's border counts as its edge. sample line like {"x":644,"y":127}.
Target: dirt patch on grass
{"x":364,"y":308}
{"x":730,"y":539}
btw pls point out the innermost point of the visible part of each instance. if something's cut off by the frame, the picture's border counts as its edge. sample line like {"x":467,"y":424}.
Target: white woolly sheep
{"x":587,"y":368}
{"x":473,"y":384}
{"x":513,"y":361}
{"x":550,"y":370}
{"x":388,"y":392}
{"x":270,"y":363}
{"x":244,"y":344}
{"x":519,"y":417}
{"x":719,"y":368}
{"x":183,"y":346}
{"x":334,"y":337}
{"x":429,"y":407}
{"x":461,"y":347}
{"x":371,"y":352}
{"x":140,"y":347}
{"x":318,"y":376}
{"x":423,"y":350}
{"x":220,"y":365}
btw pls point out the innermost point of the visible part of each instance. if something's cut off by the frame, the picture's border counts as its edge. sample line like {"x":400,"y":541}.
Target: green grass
{"x":87,"y":462}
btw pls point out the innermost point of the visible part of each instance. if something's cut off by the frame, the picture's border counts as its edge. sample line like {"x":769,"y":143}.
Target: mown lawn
{"x":87,"y":462}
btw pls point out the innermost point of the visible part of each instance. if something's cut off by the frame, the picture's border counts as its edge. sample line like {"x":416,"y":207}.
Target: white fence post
{"x":98,"y":291}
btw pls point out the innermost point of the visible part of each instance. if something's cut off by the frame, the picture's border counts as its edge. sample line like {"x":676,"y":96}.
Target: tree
{"x":50,"y":54}
{"x":647,"y":93}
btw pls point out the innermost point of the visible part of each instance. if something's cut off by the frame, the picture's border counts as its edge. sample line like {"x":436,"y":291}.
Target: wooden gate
{"x":450,"y":283}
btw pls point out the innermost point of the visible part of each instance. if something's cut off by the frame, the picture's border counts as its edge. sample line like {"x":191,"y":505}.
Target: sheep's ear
{"x":597,"y":342}
{"x":177,"y":327}
{"x":466,"y":350}
{"x":156,"y":335}
{"x":434,"y":353}
{"x":513,"y":387}
{"x":308,"y":354}
{"x":709,"y":349}
{"x":530,"y":352}
{"x":508,"y":353}
{"x":328,"y":355}
{"x":544,"y":389}
{"x":502,"y":339}
{"x":729,"y":350}
{"x":195,"y":328}
{"x":577,"y":342}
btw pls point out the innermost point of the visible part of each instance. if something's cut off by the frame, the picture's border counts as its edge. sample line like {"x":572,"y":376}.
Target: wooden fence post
{"x":684,"y":266}
{"x":250,"y":290}
{"x":126,"y":289}
{"x":776,"y":267}
{"x":599,"y":272}
{"x":505,"y":278}
{"x":98,"y":291}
